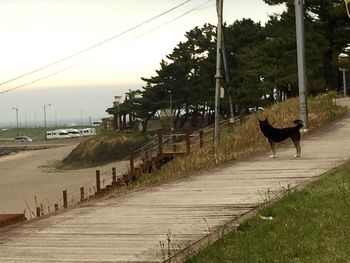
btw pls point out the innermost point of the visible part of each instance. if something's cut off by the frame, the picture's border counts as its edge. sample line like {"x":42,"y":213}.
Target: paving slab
{"x":151,"y":224}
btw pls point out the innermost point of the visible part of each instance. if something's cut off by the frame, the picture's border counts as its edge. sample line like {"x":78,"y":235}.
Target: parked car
{"x":57,"y":134}
{"x":23,"y":139}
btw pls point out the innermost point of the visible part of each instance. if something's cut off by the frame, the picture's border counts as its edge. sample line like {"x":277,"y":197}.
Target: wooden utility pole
{"x":218,"y":76}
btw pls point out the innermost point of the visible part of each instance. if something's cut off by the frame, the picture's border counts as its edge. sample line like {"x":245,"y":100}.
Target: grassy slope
{"x":247,"y":139}
{"x":310,"y":225}
{"x":101,"y":149}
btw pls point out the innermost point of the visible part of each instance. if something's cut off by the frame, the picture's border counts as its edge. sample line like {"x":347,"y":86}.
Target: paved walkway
{"x":148,"y":225}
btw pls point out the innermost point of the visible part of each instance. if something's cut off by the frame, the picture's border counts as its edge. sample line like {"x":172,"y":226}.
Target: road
{"x":28,"y":175}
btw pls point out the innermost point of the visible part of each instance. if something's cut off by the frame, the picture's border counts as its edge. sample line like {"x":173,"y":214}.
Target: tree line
{"x":261,"y":65}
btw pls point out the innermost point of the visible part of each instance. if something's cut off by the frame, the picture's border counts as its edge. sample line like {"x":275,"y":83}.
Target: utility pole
{"x":219,"y":8}
{"x":46,"y":105}
{"x":227,"y":78}
{"x":16,"y":108}
{"x":299,"y":24}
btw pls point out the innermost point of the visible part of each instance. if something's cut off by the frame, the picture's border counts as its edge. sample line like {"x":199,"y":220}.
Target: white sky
{"x":35,"y":33}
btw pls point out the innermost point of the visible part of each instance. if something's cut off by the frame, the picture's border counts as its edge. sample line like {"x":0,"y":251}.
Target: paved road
{"x":26,"y":174}
{"x":150,"y":224}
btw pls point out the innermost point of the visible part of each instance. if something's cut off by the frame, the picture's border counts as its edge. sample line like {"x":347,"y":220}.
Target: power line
{"x":39,"y":79}
{"x":96,"y":45}
{"x":198,"y":7}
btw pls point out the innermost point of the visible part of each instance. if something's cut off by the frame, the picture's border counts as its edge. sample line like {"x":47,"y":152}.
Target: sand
{"x":28,"y":175}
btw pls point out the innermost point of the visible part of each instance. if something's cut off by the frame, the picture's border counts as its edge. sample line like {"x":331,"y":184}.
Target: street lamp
{"x":343,"y":59}
{"x":117,"y":101}
{"x":15,"y":108}
{"x":25,"y":119}
{"x":81,"y":118}
{"x":171,"y":111}
{"x":299,"y":29}
{"x":46,"y":105}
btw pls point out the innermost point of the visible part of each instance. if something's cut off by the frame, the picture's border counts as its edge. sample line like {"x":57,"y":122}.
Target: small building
{"x":108,"y":123}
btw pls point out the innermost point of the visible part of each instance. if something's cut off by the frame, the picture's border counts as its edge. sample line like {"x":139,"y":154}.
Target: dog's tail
{"x":299,"y":123}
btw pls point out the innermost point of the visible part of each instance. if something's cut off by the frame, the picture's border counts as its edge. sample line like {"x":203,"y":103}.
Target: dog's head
{"x":263,"y":123}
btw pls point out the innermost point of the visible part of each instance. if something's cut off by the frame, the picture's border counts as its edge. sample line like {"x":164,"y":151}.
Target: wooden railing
{"x":161,"y":149}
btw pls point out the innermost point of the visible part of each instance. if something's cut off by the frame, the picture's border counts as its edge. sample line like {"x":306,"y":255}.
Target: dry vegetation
{"x":102,"y":149}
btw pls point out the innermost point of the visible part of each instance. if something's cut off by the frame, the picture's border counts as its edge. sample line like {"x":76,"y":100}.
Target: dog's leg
{"x":297,"y":148}
{"x":273,"y":148}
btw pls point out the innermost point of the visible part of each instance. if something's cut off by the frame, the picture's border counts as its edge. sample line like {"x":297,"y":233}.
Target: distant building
{"x":108,"y":123}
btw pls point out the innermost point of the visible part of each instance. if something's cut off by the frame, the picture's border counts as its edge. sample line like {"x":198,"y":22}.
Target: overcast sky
{"x":36,"y":33}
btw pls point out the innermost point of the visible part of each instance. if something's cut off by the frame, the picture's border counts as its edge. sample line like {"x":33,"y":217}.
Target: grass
{"x":309,"y":225}
{"x":34,"y":133}
{"x":37,"y":134}
{"x":104,"y":148}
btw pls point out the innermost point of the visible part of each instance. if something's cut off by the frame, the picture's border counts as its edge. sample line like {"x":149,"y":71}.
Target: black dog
{"x":275,"y":135}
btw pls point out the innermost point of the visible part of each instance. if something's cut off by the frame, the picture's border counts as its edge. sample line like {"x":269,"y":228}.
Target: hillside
{"x":102,"y":149}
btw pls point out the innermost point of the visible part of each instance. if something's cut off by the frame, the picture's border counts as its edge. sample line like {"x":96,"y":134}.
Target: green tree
{"x":327,"y":29}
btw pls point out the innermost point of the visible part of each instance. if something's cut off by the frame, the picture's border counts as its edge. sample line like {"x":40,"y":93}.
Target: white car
{"x":23,"y":139}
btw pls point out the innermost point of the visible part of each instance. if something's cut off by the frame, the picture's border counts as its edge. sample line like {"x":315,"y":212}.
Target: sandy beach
{"x":27,"y":175}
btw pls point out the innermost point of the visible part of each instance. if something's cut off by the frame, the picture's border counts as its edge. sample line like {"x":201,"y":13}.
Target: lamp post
{"x":16,"y":108}
{"x":343,"y":58}
{"x":81,"y":118}
{"x":46,"y":105}
{"x":117,"y":101}
{"x":25,"y":119}
{"x":171,"y":111}
{"x":299,"y":22}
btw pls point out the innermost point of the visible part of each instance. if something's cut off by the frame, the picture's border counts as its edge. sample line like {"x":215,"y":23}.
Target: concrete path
{"x":149,"y":225}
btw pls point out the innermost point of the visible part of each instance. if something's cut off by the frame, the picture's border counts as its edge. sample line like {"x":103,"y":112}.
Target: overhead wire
{"x":39,"y":79}
{"x":198,"y":7}
{"x":97,"y":44}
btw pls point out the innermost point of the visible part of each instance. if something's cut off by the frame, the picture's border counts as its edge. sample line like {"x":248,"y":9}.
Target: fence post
{"x":38,"y":211}
{"x":160,"y":144}
{"x":201,"y":138}
{"x":241,"y":116}
{"x":114,"y":176}
{"x":82,"y":195}
{"x":173,"y":141}
{"x":98,"y":182}
{"x":132,"y":167}
{"x":188,"y":143}
{"x":65,"y":202}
